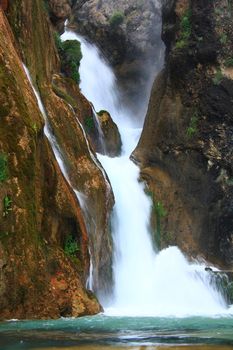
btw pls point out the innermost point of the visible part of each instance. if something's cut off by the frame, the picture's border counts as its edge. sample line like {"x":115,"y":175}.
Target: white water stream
{"x":146,"y":283}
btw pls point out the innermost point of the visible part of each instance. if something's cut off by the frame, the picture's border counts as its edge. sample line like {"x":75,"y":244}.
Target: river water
{"x":103,"y":332}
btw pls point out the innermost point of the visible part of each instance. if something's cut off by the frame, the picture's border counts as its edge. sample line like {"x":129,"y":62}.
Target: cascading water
{"x":146,"y":283}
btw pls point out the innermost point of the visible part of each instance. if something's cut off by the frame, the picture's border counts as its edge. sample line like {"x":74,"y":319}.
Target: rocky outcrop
{"x":41,"y":274}
{"x":59,"y":11}
{"x":185,"y":151}
{"x":128,"y":33}
{"x":4,"y":4}
{"x":38,"y":209}
{"x":111,"y":135}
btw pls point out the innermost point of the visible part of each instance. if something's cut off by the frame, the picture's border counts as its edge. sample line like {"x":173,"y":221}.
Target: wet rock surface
{"x":185,"y":151}
{"x":111,"y":135}
{"x":40,"y":276}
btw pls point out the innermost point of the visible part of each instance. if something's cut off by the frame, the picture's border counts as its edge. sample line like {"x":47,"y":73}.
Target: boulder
{"x":111,"y":135}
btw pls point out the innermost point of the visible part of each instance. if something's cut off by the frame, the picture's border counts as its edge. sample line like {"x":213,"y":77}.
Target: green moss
{"x":89,"y":123}
{"x":228,"y":62}
{"x":64,"y":95}
{"x":101,"y":112}
{"x":185,"y":30}
{"x":181,"y":44}
{"x":116,"y":19}
{"x":3,"y":167}
{"x":218,"y":77}
{"x":57,"y":41}
{"x":192,"y":128}
{"x":7,"y":205}
{"x":70,"y":55}
{"x":223,"y":38}
{"x":160,"y":213}
{"x":71,"y":247}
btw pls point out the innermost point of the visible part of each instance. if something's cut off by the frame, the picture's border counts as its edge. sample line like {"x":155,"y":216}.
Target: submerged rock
{"x":185,"y":150}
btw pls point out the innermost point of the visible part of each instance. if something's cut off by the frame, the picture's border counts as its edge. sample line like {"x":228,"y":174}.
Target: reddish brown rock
{"x":38,"y":207}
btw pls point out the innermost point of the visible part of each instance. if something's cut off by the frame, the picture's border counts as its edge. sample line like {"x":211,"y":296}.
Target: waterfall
{"x":145,"y":282}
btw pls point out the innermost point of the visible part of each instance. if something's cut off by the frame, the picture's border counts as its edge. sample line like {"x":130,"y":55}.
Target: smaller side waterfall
{"x":47,"y":129}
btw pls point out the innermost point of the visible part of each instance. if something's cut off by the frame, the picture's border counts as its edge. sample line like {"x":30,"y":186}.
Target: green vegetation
{"x":228,"y":62}
{"x":3,"y":167}
{"x":7,"y":205}
{"x":70,"y":55}
{"x":223,"y":38}
{"x":160,"y":213}
{"x":35,"y":128}
{"x":59,"y":92}
{"x":185,"y":30}
{"x":45,"y":6}
{"x":71,"y":246}
{"x":89,"y":123}
{"x":218,"y":77}
{"x":101,"y":112}
{"x":116,"y":19}
{"x":57,"y":41}
{"x":192,"y":128}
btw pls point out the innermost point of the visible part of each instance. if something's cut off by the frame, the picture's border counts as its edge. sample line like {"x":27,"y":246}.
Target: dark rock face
{"x":185,"y":150}
{"x":128,"y":33}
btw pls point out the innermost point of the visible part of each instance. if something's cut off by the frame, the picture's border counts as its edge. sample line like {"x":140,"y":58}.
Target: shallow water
{"x":102,"y":332}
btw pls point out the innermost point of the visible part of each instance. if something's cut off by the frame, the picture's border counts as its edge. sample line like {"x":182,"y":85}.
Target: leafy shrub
{"x":71,"y":246}
{"x":3,"y":167}
{"x":116,"y":19}
{"x":70,"y":55}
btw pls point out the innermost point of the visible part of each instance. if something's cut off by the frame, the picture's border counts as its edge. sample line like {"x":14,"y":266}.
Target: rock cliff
{"x":185,"y":151}
{"x":44,"y":255}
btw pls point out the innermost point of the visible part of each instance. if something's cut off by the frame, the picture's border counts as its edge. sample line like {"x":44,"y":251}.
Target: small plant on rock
{"x":7,"y":205}
{"x":70,"y":55}
{"x":192,"y":129}
{"x":71,"y":246}
{"x":116,"y":19}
